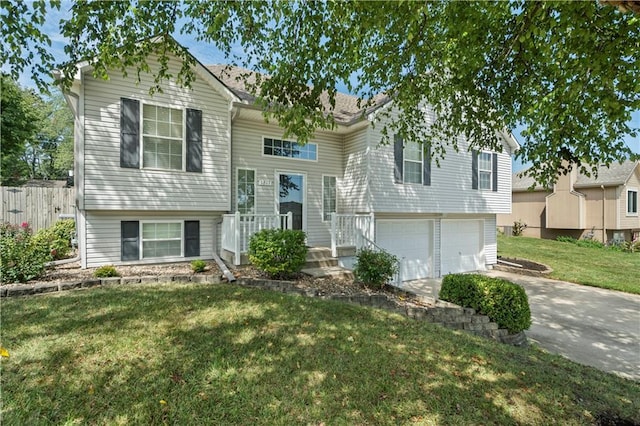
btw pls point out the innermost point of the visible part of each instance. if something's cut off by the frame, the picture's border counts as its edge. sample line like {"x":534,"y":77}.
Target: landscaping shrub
{"x":198,"y":265}
{"x":23,"y":257}
{"x":518,"y":228}
{"x":278,"y":253}
{"x":57,"y":238}
{"x":504,"y":302}
{"x":589,"y":243}
{"x":106,"y":271}
{"x":375,"y":268}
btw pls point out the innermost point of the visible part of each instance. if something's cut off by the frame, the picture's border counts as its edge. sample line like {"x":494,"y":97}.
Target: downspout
{"x":225,"y":271}
{"x":604,"y":219}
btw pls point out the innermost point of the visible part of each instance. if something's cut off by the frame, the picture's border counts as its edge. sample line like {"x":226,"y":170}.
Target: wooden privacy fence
{"x":39,"y":207}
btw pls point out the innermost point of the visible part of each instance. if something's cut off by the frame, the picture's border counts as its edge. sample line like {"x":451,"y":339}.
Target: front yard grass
{"x":595,"y":267}
{"x":221,"y":354}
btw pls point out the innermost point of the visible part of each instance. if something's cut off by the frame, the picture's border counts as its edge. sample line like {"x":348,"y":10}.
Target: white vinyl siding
{"x":485,"y":171}
{"x":451,"y":183}
{"x":103,"y":234}
{"x":107,"y":186}
{"x":161,"y":239}
{"x":163,"y":142}
{"x":412,"y":169}
{"x":353,"y":194}
{"x":329,"y":196}
{"x":246,"y":190}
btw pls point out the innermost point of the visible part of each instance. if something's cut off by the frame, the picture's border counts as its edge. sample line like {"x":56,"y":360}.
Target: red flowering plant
{"x":23,"y":258}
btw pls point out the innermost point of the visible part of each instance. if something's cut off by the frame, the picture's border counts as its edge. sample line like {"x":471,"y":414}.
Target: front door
{"x":291,"y":197}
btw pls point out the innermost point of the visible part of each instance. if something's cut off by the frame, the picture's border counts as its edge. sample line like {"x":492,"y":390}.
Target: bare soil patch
{"x":526,"y":264}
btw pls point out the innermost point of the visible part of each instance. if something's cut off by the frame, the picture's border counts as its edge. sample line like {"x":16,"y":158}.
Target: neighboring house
{"x":605,"y":207}
{"x":188,"y":173}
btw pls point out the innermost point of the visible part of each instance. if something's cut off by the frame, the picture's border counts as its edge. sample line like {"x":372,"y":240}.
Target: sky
{"x":209,"y":55}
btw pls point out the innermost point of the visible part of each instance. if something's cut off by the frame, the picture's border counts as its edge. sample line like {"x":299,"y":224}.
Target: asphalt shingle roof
{"x":615,"y":174}
{"x":346,"y":106}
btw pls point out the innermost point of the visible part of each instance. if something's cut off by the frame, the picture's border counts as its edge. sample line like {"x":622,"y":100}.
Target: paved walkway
{"x":588,"y":325}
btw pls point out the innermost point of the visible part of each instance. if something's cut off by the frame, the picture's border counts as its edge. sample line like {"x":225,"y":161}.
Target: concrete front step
{"x":320,"y":257}
{"x":335,"y":272}
{"x":321,"y":263}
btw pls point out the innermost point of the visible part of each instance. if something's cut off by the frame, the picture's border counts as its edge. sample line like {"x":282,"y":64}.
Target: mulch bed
{"x":526,"y":264}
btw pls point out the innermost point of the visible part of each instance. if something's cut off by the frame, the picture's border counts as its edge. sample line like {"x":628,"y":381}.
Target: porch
{"x":349,"y":232}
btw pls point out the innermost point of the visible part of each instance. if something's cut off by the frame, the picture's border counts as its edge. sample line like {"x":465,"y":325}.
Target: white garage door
{"x":462,"y":248}
{"x":411,"y":241}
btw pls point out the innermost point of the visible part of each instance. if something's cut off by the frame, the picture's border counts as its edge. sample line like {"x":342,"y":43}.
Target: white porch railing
{"x":357,"y":230}
{"x":237,"y":230}
{"x":350,"y":230}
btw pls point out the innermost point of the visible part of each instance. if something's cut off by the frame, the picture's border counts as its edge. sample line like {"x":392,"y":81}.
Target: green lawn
{"x":583,"y":265}
{"x":221,"y":354}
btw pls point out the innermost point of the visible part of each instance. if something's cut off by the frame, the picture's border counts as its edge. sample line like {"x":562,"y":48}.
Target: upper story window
{"x":162,"y":137}
{"x":632,"y":202}
{"x":485,"y":170}
{"x":413,"y":158}
{"x":290,"y":149}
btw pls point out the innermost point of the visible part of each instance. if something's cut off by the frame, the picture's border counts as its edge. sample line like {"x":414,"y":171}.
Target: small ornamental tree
{"x":278,"y":253}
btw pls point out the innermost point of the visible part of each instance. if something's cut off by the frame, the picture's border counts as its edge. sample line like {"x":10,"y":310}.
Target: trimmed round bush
{"x":504,"y":302}
{"x":278,"y":253}
{"x":106,"y":271}
{"x":375,"y":268}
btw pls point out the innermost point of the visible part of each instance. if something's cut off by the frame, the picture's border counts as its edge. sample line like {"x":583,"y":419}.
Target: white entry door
{"x":412,"y":242}
{"x":462,"y":246}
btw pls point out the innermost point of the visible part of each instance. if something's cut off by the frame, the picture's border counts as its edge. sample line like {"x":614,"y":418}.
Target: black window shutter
{"x":130,"y":232}
{"x":398,"y":156}
{"x":426,"y":166}
{"x":194,"y":140}
{"x":129,"y":133}
{"x":474,"y":170}
{"x":494,"y":170}
{"x":191,"y":238}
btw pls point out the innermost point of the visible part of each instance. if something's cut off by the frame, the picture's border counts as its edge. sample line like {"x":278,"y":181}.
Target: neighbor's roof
{"x":346,"y":109}
{"x":615,"y":174}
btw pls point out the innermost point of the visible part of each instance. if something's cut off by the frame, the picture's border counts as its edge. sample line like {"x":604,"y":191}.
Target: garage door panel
{"x":461,"y":246}
{"x":411,"y":242}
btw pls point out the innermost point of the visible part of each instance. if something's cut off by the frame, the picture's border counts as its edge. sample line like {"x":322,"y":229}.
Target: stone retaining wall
{"x":448,"y":315}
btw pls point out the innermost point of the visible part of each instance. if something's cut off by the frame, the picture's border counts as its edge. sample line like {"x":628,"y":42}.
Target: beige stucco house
{"x":605,"y":206}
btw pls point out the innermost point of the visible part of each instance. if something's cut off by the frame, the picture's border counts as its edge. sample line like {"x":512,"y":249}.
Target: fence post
{"x":334,"y":235}
{"x":237,"y":243}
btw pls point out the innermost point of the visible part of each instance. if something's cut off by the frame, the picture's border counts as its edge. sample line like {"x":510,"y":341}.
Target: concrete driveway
{"x":588,"y":325}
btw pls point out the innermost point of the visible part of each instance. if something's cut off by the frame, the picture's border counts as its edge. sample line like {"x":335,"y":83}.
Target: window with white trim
{"x":632,"y":202}
{"x":161,"y":239}
{"x":329,"y":196}
{"x":485,"y":170}
{"x":162,"y":137}
{"x":413,"y":158}
{"x":289,"y":149}
{"x":246,"y":193}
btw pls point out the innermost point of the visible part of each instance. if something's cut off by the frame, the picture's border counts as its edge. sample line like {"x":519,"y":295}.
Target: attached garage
{"x":462,"y":246}
{"x":412,"y":242}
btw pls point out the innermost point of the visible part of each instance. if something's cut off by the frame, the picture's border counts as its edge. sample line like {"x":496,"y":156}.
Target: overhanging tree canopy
{"x":568,"y":72}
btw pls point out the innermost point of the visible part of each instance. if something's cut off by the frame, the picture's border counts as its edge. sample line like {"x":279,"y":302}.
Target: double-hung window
{"x":485,"y":170}
{"x":246,"y":194}
{"x":161,"y":239}
{"x":413,"y":158}
{"x":329,"y":197}
{"x":162,"y":137}
{"x":632,"y":202}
